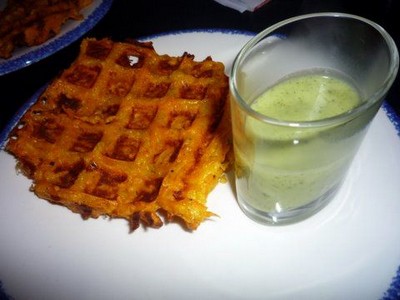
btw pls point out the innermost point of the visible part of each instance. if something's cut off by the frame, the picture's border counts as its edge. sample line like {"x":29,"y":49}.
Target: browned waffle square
{"x":127,"y":133}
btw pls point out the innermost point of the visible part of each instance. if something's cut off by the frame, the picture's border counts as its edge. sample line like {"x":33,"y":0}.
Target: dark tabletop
{"x":139,"y":18}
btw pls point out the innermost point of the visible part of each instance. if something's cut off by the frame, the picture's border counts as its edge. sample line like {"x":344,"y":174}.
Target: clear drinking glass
{"x":302,"y":93}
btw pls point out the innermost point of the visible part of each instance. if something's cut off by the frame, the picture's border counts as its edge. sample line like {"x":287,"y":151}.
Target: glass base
{"x":289,"y":216}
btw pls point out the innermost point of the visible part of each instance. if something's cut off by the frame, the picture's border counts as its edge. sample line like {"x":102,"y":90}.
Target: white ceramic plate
{"x":70,"y":32}
{"x":349,"y":250}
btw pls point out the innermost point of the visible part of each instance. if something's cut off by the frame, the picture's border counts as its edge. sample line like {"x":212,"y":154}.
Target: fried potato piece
{"x":33,"y":22}
{"x":128,"y":133}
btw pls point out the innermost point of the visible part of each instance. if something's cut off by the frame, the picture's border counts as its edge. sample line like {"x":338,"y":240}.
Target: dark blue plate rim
{"x":57,"y":43}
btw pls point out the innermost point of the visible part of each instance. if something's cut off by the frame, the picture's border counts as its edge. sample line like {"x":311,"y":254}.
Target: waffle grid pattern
{"x":128,"y":133}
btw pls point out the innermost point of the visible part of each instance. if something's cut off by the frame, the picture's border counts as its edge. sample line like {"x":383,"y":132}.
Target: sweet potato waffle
{"x":127,"y":133}
{"x":33,"y":22}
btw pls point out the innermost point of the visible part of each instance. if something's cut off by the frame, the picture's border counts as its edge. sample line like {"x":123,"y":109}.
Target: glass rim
{"x":341,"y":118}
